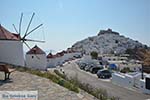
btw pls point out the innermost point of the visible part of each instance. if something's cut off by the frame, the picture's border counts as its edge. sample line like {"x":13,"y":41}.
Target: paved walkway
{"x":47,"y":90}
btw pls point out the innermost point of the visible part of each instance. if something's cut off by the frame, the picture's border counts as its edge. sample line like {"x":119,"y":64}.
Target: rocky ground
{"x":47,"y":90}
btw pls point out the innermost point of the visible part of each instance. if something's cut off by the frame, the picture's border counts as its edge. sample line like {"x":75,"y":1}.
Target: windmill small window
{"x":32,"y":57}
{"x":34,"y":52}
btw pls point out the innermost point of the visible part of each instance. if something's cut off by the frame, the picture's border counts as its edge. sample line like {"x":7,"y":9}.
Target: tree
{"x":125,"y":70}
{"x":147,"y":58}
{"x":141,"y":54}
{"x":94,"y":55}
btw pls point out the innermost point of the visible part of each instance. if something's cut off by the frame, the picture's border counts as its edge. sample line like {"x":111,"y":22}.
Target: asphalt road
{"x":72,"y":70}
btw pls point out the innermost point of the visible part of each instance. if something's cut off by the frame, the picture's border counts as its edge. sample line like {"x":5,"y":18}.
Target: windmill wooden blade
{"x":33,"y":29}
{"x":28,"y":25}
{"x":15,"y":28}
{"x":20,"y":23}
{"x":26,"y":44}
{"x":34,"y":40}
{"x":30,"y":48}
{"x":37,"y":56}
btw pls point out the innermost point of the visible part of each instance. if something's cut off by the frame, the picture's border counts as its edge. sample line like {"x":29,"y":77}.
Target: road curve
{"x":72,"y":70}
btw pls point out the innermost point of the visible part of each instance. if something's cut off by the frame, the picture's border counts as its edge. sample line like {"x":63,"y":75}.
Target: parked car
{"x":77,"y":56}
{"x":61,"y":65}
{"x":87,"y":68}
{"x":82,"y":65}
{"x":104,"y":73}
{"x":94,"y":70}
{"x":78,"y":62}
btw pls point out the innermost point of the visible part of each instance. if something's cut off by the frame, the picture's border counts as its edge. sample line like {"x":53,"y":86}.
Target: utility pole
{"x":142,"y":74}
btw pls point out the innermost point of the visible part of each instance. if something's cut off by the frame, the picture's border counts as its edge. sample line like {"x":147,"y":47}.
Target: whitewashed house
{"x":36,"y":58}
{"x":145,"y":84}
{"x":115,"y":59}
{"x":61,"y":57}
{"x":11,"y":48}
{"x":131,"y":66}
{"x":122,"y":62}
{"x":127,"y":80}
{"x":54,"y":60}
{"x":132,"y":80}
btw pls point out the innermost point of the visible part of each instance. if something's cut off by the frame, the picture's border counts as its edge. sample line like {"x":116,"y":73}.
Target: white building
{"x":145,"y":84}
{"x":122,"y":62}
{"x":60,"y":58}
{"x":36,"y":58}
{"x":115,"y":59}
{"x":127,"y":80}
{"x":11,"y":48}
{"x":54,"y":60}
{"x":131,"y":66}
{"x":132,"y":80}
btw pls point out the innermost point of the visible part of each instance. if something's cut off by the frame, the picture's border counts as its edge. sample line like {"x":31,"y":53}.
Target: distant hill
{"x":107,"y":41}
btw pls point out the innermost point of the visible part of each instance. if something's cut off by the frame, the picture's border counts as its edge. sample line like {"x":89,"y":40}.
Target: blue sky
{"x":68,"y":21}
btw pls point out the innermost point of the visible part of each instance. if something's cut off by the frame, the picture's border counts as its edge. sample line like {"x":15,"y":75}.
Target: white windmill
{"x":11,"y":45}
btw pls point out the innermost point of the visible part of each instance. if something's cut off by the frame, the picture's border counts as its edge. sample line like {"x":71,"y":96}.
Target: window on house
{"x":134,"y":69}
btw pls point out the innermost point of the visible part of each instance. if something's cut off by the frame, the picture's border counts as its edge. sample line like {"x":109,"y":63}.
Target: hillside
{"x":47,"y":90}
{"x":107,"y":41}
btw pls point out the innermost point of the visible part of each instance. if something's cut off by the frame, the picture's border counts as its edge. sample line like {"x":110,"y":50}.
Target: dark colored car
{"x":87,"y":68}
{"x":94,"y":70}
{"x":82,"y":65}
{"x":77,"y":56}
{"x":104,"y":74}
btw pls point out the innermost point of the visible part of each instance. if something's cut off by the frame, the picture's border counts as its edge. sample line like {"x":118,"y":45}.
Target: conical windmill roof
{"x":35,"y":50}
{"x":6,"y":35}
{"x":50,"y":55}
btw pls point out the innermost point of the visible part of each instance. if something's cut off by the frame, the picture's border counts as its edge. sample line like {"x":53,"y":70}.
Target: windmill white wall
{"x":11,"y":52}
{"x":36,"y":61}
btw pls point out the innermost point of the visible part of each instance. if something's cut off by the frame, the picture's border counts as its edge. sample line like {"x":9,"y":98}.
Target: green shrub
{"x":114,"y":98}
{"x":101,"y":94}
{"x":72,"y":84}
{"x":59,"y":74}
{"x":57,"y":79}
{"x":61,"y":82}
{"x":67,"y":83}
{"x":94,"y":55}
{"x":126,"y":70}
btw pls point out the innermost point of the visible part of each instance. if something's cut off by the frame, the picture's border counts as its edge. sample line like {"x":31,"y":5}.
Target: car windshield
{"x":105,"y":71}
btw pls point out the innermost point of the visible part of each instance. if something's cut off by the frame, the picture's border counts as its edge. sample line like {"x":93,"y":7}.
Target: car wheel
{"x":100,"y":76}
{"x":103,"y":76}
